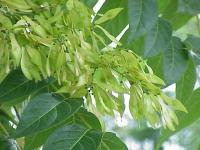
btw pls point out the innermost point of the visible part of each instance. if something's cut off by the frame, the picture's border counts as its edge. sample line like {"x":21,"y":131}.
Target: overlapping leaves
{"x":57,"y":39}
{"x":82,"y":138}
{"x":64,"y":52}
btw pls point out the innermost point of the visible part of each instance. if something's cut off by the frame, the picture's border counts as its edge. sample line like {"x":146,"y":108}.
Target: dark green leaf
{"x":5,"y":123}
{"x":109,"y":141}
{"x":168,"y":7}
{"x":90,"y":3}
{"x":156,"y":63}
{"x":87,"y":119}
{"x":185,"y":85}
{"x":176,"y":18}
{"x":175,"y":61}
{"x":38,"y":139}
{"x":48,"y":112}
{"x":16,"y":87}
{"x":137,"y":45}
{"x":4,"y":115}
{"x":76,"y":137}
{"x":143,"y":15}
{"x":179,"y":19}
{"x":193,"y":43}
{"x":158,"y":39}
{"x":162,"y":5}
{"x":189,"y":6}
{"x":73,"y":137}
{"x":82,"y":117}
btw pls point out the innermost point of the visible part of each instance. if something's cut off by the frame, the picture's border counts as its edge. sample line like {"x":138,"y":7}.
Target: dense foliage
{"x":57,"y":69}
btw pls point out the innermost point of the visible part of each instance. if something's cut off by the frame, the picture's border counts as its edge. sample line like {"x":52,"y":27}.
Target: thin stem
{"x":55,"y":88}
{"x":17,"y":113}
{"x":4,"y":129}
{"x":8,"y":117}
{"x":198,"y":23}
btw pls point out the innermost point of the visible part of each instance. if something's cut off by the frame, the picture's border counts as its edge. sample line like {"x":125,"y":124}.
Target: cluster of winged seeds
{"x":56,"y":38}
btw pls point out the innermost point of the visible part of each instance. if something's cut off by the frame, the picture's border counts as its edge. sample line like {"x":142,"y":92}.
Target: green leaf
{"x":175,"y":61}
{"x":49,"y":113}
{"x":176,"y":18}
{"x":158,"y":39}
{"x":5,"y":21}
{"x":5,"y":115}
{"x":16,"y":87}
{"x":18,"y":4}
{"x":26,"y":66}
{"x":16,"y":49}
{"x":82,"y":117}
{"x":90,"y":3}
{"x":143,"y":15}
{"x":193,"y":43}
{"x":38,"y":139}
{"x":109,"y":15}
{"x":5,"y":124}
{"x":185,"y":85}
{"x":162,"y":5}
{"x":137,"y":45}
{"x":87,"y":119}
{"x":121,"y":104}
{"x":76,"y":137}
{"x":117,"y":24}
{"x":189,"y":6}
{"x":35,"y":57}
{"x":185,"y":120}
{"x":73,"y":137}
{"x":167,"y":7}
{"x":136,"y":103}
{"x":156,"y":63}
{"x":108,"y":35}
{"x":109,"y":141}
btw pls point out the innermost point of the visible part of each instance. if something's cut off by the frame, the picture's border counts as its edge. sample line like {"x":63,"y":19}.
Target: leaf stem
{"x":4,"y":129}
{"x":17,"y":113}
{"x":198,"y":23}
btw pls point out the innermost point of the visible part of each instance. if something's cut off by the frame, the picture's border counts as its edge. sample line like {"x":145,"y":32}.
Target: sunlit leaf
{"x":108,"y":15}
